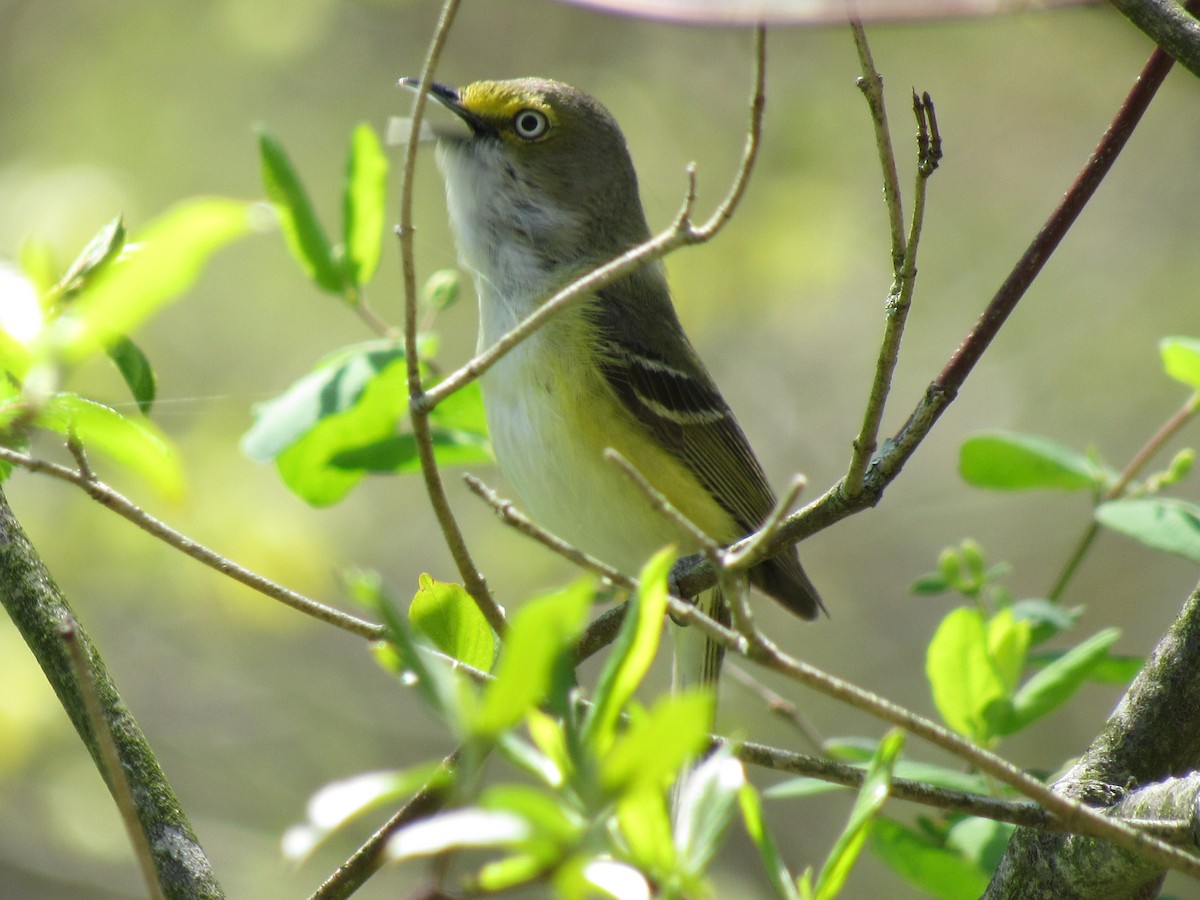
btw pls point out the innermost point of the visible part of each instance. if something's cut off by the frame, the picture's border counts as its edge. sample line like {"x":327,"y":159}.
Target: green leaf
{"x":102,"y":249}
{"x":871,"y":797}
{"x":135,"y":444}
{"x":533,"y":659}
{"x":164,"y":262}
{"x":446,"y":614}
{"x":929,"y":773}
{"x":363,"y":205}
{"x":1181,"y":359}
{"x":1008,"y":643}
{"x":334,"y":386}
{"x":652,"y":750}
{"x":397,"y":454}
{"x":768,"y":851}
{"x":1020,"y":462}
{"x":297,"y":218}
{"x":645,"y":825}
{"x":459,"y":829}
{"x":936,"y":871}
{"x":135,"y":369}
{"x":707,"y":796}
{"x":1045,"y":619}
{"x":339,"y":802}
{"x":962,"y":675}
{"x":632,"y":652}
{"x":929,"y":585}
{"x":1052,"y":686}
{"x":1115,"y":669}
{"x":441,"y":289}
{"x":982,"y":841}
{"x":1159,"y":522}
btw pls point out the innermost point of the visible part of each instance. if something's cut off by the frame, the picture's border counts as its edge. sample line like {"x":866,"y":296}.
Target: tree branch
{"x":1174,"y":29}
{"x":38,"y":609}
{"x":120,"y":504}
{"x":1153,"y":734}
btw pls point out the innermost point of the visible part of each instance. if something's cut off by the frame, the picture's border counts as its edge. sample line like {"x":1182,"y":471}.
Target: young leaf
{"x":458,"y":829}
{"x":1181,"y":359}
{"x":1159,"y":522}
{"x":871,"y":797}
{"x":341,"y":801}
{"x":363,"y":205}
{"x":133,"y":443}
{"x":298,"y":220}
{"x":632,"y":651}
{"x":1054,"y":685}
{"x":768,"y":851}
{"x":962,"y":675}
{"x":1020,"y":462}
{"x":163,"y":263}
{"x":446,"y":614}
{"x":334,"y":386}
{"x":440,"y":290}
{"x":937,"y":871}
{"x":135,"y":369}
{"x":1007,"y":643}
{"x":645,"y":825}
{"x":539,"y":635}
{"x":652,"y":750}
{"x":102,"y":249}
{"x":1045,"y":619}
{"x":706,"y":798}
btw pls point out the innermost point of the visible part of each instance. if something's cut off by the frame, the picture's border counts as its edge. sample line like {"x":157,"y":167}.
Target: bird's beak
{"x":447,"y":97}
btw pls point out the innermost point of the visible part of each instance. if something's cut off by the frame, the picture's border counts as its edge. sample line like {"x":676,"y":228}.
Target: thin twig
{"x":109,"y":497}
{"x":754,"y":549}
{"x":904,"y":281}
{"x":660,"y":504}
{"x":1140,"y":459}
{"x":778,"y":705}
{"x":371,"y":856}
{"x":473,"y":579}
{"x":681,"y":233}
{"x":696,"y":574}
{"x":110,"y":757}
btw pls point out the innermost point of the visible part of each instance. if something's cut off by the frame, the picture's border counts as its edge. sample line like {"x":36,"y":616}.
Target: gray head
{"x":544,"y":167}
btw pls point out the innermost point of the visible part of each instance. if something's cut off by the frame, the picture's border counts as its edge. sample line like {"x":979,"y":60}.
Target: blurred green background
{"x":130,"y":105}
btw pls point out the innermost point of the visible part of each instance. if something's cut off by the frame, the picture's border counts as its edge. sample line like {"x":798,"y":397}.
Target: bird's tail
{"x":697,"y":662}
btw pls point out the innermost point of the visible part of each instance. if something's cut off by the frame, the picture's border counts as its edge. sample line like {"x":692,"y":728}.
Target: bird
{"x":541,"y":189}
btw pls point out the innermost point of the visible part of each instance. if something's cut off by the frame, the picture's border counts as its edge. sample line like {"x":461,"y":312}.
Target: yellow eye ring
{"x":530,"y":124}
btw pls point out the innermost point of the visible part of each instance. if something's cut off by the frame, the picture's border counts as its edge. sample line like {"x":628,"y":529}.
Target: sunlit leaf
{"x":871,"y":797}
{"x":1021,"y":462}
{"x":1113,"y":669}
{"x":1181,"y":359}
{"x":458,"y":829}
{"x":341,"y":801}
{"x":1052,"y":686}
{"x":645,"y":825}
{"x":363,"y":204}
{"x":962,"y":675}
{"x":134,"y":443}
{"x":1159,"y":522}
{"x":446,"y":614}
{"x":533,"y":658}
{"x":707,"y":796}
{"x":768,"y":850}
{"x":1007,"y":644}
{"x":632,"y":652}
{"x":652,"y":750}
{"x":298,"y":220}
{"x":334,"y":386}
{"x":156,"y":269}
{"x":102,"y":249}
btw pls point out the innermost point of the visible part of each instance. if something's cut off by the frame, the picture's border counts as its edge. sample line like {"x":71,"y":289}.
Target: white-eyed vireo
{"x":540,"y":191}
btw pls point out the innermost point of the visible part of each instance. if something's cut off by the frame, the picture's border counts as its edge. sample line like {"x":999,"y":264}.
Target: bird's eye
{"x":530,"y":124}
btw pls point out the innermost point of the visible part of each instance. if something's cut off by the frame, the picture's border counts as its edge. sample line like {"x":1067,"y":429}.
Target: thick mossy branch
{"x":1152,"y":736}
{"x":38,"y":609}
